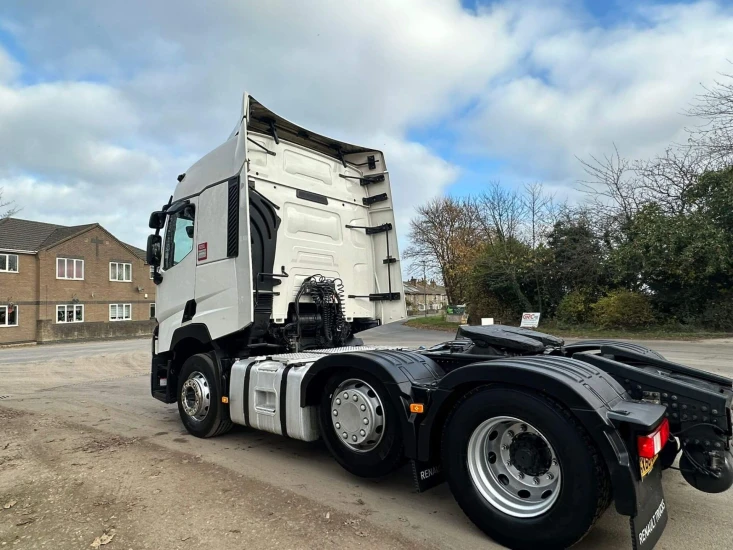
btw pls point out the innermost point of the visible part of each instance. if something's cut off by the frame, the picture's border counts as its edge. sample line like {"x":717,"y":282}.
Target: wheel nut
{"x":345,"y":435}
{"x":508,"y":463}
{"x":550,"y":477}
{"x":356,"y":397}
{"x":338,"y":401}
{"x":363,"y":407}
{"x":536,"y":481}
{"x":554,"y":462}
{"x":353,"y":438}
{"x":504,"y":447}
{"x":366,"y":421}
{"x":510,"y":433}
{"x":338,"y":425}
{"x":335,"y":412}
{"x":523,"y":427}
{"x":521,"y":475}
{"x":363,"y":433}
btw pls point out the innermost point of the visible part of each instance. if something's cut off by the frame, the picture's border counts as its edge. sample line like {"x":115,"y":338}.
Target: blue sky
{"x":102,"y":104}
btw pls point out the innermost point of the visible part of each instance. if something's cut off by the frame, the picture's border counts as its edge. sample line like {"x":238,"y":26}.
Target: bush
{"x":574,"y":308}
{"x":718,"y":314}
{"x":623,"y":309}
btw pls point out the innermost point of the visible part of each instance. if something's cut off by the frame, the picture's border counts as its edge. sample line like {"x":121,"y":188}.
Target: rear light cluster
{"x":650,"y":445}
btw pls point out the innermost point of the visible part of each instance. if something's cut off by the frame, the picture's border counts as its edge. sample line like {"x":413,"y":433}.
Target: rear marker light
{"x":417,"y":408}
{"x":651,"y":445}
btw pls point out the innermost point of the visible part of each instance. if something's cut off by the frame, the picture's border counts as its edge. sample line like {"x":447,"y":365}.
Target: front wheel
{"x":359,"y":424}
{"x":199,"y":400}
{"x":523,"y":469}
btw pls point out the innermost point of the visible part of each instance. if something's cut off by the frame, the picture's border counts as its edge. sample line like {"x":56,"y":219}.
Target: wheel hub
{"x":514,"y":467}
{"x":530,"y":454}
{"x":195,"y":396}
{"x":357,"y":415}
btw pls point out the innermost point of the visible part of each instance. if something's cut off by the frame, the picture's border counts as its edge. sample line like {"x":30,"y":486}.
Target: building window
{"x":9,"y":263}
{"x":8,"y":316}
{"x":152,"y":310}
{"x":120,"y":272}
{"x":120,"y":312}
{"x":66,"y":268}
{"x":71,"y":313}
{"x":152,"y":271}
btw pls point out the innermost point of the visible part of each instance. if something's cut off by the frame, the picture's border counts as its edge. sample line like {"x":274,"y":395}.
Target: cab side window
{"x":178,"y":237}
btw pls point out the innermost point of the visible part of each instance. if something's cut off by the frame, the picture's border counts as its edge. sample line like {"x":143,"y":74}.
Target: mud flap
{"x":426,"y":475}
{"x":651,"y":519}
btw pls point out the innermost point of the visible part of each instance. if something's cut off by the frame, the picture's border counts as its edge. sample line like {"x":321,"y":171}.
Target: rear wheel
{"x":359,"y":424}
{"x":199,"y":402}
{"x":523,"y":469}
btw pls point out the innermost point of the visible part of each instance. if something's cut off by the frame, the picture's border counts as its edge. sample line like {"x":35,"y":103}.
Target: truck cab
{"x":274,"y":206}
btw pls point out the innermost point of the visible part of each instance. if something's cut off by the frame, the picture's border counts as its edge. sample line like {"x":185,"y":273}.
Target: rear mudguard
{"x":594,"y":397}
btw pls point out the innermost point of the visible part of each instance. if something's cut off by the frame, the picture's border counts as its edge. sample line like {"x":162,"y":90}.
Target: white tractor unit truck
{"x":279,"y":247}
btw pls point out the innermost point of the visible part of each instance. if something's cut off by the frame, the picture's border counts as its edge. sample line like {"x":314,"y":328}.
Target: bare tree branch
{"x":714,"y":138}
{"x":7,"y":208}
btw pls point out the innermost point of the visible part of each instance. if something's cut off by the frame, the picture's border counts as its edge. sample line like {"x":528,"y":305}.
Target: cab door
{"x":175,"y":304}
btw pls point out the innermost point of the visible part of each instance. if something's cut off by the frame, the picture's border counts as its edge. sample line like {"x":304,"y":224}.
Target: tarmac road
{"x":102,"y":388}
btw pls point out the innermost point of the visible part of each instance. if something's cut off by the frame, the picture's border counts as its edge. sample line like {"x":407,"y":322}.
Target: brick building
{"x":63,"y":283}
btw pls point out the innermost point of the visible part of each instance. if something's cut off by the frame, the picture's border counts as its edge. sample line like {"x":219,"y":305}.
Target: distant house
{"x":64,"y":283}
{"x":420,"y":296}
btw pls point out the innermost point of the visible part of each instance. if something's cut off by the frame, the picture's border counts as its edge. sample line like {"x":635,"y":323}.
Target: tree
{"x":714,"y":138}
{"x":577,"y":253}
{"x":7,"y":208}
{"x":445,"y":237}
{"x":684,"y":259}
{"x":513,"y":263}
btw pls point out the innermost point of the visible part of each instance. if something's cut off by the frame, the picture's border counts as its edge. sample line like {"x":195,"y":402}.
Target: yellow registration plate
{"x":646,"y":465}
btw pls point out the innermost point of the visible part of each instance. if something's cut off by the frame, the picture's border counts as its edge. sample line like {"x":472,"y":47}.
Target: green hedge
{"x":623,"y":309}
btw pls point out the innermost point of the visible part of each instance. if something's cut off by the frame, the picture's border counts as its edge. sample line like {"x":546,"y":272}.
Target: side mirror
{"x":154,"y":251}
{"x":157,"y":220}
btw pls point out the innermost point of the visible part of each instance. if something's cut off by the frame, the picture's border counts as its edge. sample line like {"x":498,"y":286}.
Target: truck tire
{"x":523,"y":469}
{"x":359,"y":424}
{"x":199,"y":403}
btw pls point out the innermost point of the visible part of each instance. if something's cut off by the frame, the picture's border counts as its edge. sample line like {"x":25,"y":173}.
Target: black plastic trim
{"x":368,"y":201}
{"x":233,"y":219}
{"x":284,"y":400}
{"x":196,"y":331}
{"x":372,"y":230}
{"x":313,"y":197}
{"x":189,"y":310}
{"x":379,"y":297}
{"x":263,"y":225}
{"x":245,"y":397}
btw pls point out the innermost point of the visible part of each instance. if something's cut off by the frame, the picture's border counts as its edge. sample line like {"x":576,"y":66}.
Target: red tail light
{"x":650,"y":445}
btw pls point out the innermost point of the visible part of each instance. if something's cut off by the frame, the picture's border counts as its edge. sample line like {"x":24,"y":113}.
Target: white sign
{"x":487,"y":321}
{"x":530,"y":320}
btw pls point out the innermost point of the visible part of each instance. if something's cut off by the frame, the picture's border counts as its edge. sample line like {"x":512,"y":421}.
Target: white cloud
{"x":117,"y":98}
{"x":629,"y":85}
